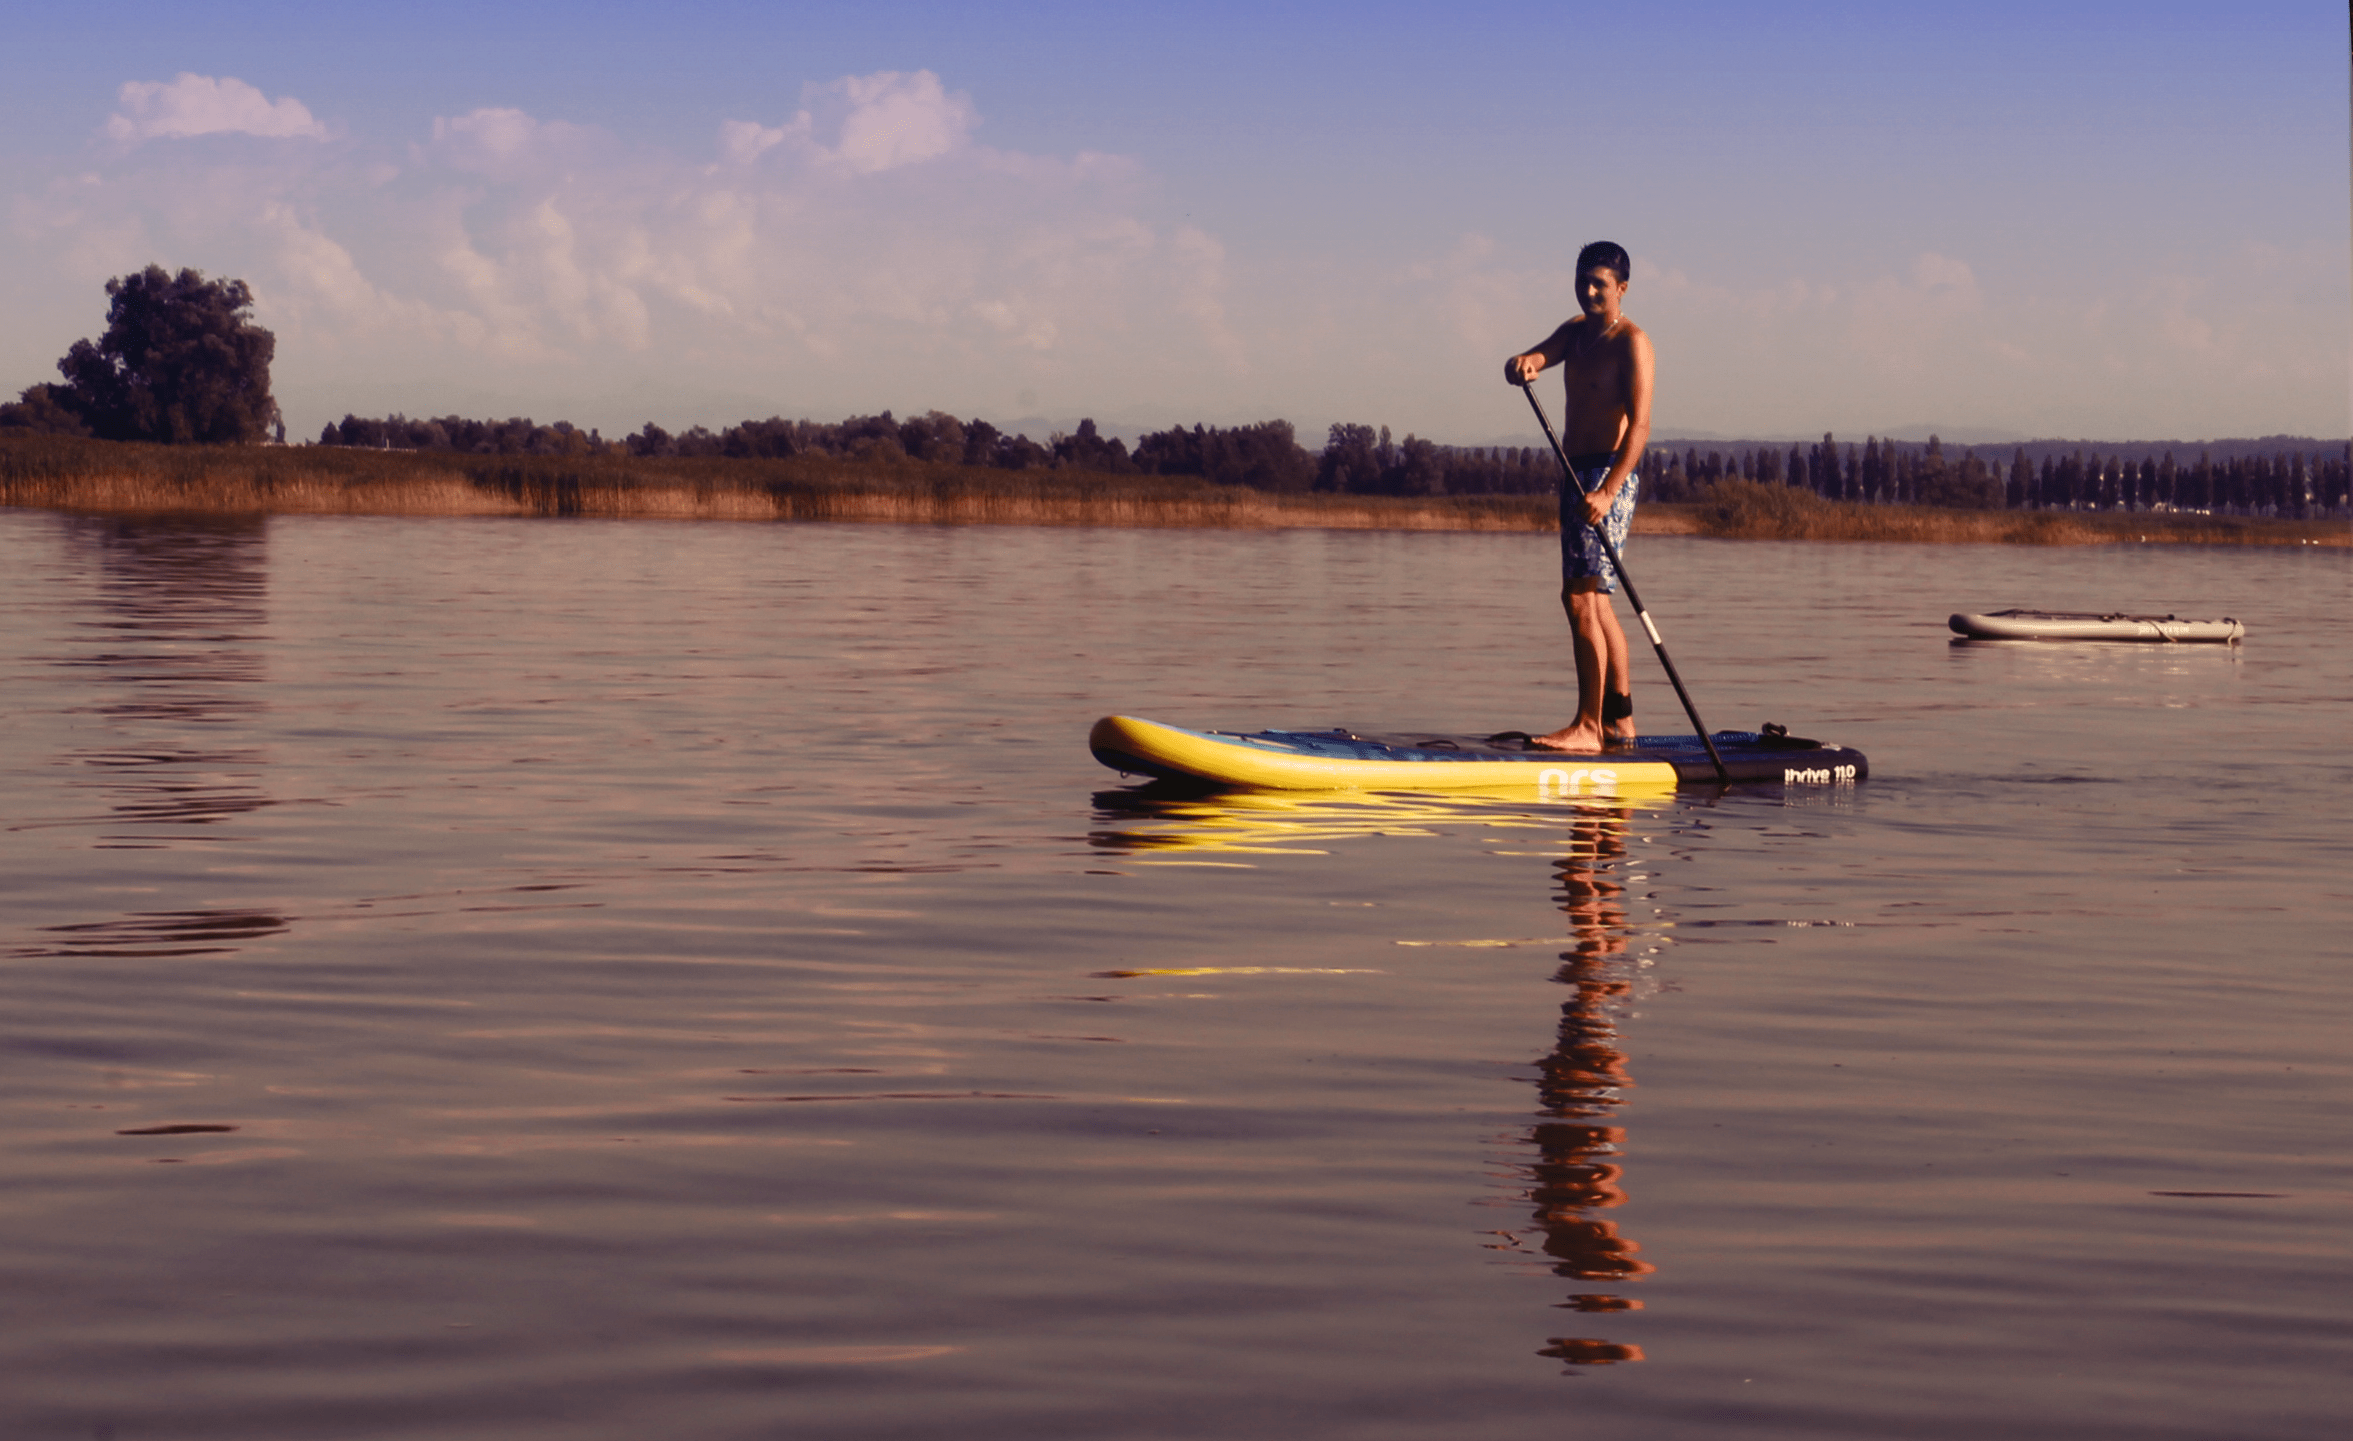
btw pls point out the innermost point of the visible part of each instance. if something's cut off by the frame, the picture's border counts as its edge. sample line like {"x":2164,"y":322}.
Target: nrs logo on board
{"x":1559,"y":785}
{"x":1823,"y":776}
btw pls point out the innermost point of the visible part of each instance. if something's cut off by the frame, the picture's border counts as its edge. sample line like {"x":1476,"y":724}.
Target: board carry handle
{"x":1633,"y":597}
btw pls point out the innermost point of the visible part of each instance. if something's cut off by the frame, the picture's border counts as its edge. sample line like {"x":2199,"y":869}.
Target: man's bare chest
{"x":1594,"y":380}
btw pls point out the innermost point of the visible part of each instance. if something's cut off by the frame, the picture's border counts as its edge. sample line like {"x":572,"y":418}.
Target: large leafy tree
{"x":181,"y":361}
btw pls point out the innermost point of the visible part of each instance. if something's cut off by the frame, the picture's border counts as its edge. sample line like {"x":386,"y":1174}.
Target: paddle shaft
{"x":1633,"y":597}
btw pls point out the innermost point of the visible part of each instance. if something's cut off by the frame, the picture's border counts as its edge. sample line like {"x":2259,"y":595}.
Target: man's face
{"x":1599,"y":289}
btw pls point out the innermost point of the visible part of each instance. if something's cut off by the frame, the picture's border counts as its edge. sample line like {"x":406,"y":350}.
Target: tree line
{"x":181,"y":361}
{"x":2289,"y":482}
{"x":1267,"y":455}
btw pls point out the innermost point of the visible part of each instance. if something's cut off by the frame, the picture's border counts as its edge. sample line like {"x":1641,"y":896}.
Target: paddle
{"x":1633,"y":598}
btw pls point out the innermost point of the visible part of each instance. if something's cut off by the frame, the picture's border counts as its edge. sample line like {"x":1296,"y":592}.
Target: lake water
{"x":549,"y":979}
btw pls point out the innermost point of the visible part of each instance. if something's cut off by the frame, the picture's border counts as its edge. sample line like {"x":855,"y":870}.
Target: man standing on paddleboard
{"x":1606,"y":362}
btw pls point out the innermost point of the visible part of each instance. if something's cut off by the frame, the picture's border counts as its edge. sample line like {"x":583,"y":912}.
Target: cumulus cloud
{"x":320,"y":291}
{"x":864,"y":125}
{"x":864,"y":251}
{"x":501,"y":142}
{"x":863,"y":247}
{"x":744,"y":141}
{"x":889,"y":119}
{"x":203,"y":105}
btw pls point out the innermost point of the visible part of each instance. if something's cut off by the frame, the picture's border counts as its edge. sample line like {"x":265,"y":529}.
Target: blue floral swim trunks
{"x":1580,"y":551}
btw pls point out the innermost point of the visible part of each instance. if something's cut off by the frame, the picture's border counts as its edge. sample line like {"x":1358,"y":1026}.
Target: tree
{"x":1971,"y":485}
{"x":42,"y":411}
{"x":1265,"y":456}
{"x":1418,"y":469}
{"x":764,"y":439}
{"x":1349,"y":463}
{"x":934,"y":435}
{"x":181,"y":361}
{"x":1088,"y":450}
{"x":980,"y":443}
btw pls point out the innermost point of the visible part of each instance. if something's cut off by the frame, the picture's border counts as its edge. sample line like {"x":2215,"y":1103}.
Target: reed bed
{"x":77,"y":475}
{"x":1215,"y":507}
{"x":1745,"y":510}
{"x":57,"y":473}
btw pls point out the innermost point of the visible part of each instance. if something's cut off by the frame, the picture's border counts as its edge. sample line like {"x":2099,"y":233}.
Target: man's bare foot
{"x":1620,"y":733}
{"x":1582,"y":740}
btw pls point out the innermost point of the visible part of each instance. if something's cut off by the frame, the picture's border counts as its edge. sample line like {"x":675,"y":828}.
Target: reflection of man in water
{"x":1578,"y":1085}
{"x":1605,"y":360}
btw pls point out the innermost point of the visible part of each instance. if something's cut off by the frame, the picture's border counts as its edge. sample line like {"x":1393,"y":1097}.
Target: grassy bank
{"x":1744,"y":510}
{"x":94,"y":476}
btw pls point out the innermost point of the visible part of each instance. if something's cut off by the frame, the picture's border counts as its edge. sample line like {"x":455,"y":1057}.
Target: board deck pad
{"x":1423,"y":760}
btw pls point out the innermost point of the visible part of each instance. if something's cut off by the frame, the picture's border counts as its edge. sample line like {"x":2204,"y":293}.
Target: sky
{"x":2106,"y":221}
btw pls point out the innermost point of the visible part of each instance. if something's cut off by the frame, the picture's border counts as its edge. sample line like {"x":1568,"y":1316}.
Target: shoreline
{"x":88,"y":477}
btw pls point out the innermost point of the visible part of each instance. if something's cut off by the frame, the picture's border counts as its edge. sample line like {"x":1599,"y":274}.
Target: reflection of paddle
{"x":1632,"y":598}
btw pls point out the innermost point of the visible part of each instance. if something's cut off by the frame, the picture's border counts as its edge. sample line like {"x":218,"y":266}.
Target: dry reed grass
{"x":80,"y":475}
{"x":76,"y":475}
{"x":1745,"y":510}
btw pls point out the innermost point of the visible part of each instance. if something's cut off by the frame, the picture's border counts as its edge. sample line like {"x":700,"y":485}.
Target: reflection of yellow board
{"x":1242,"y":826}
{"x":1316,"y":761}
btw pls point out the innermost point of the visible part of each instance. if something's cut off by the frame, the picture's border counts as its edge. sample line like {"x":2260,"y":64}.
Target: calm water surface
{"x":572,"y":979}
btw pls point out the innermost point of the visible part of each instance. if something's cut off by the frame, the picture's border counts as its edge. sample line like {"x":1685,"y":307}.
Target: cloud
{"x":870,"y":249}
{"x":889,"y":119}
{"x":318,"y":293}
{"x":202,"y":105}
{"x":866,"y":124}
{"x":744,"y":141}
{"x":866,"y":251}
{"x":500,"y":142}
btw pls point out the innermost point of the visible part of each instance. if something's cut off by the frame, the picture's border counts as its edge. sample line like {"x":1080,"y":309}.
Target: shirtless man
{"x":1606,"y":361}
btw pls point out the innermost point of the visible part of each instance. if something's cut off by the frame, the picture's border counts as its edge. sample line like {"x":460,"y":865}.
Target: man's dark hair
{"x":1609,"y":253}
